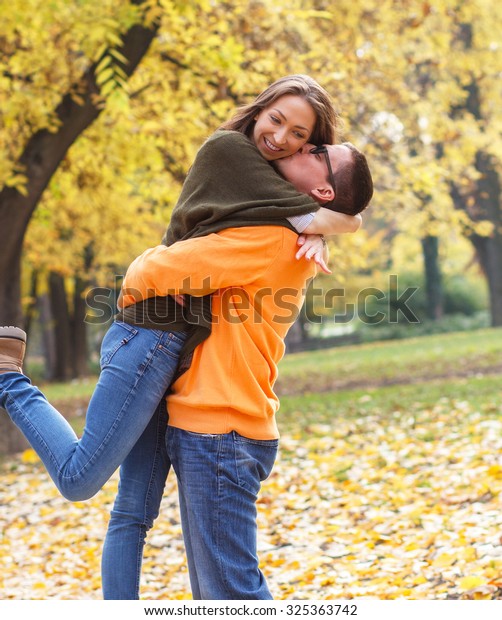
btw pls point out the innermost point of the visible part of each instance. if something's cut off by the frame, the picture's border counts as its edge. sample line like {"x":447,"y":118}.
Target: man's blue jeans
{"x":137,"y":367}
{"x":143,"y":476}
{"x":219,"y":477}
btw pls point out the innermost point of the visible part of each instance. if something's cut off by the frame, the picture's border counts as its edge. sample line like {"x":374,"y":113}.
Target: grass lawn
{"x":462,"y":354}
{"x":391,"y":376}
{"x":299,"y":412}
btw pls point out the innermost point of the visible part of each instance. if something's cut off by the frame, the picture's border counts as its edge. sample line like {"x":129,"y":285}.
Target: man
{"x":222,"y":436}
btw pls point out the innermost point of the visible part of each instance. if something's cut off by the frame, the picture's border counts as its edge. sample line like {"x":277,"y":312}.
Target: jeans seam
{"x":178,"y":338}
{"x":12,"y":403}
{"x":139,"y":560}
{"x":109,"y":436}
{"x":265,"y":443}
{"x":167,"y":341}
{"x":131,"y":333}
{"x":154,"y":469}
{"x":145,"y":523}
{"x":221,"y":455}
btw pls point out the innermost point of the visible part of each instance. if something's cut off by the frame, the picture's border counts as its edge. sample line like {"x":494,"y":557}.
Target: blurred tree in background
{"x":104,"y":104}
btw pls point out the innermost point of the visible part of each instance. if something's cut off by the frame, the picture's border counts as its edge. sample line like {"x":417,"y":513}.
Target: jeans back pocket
{"x":117,"y":336}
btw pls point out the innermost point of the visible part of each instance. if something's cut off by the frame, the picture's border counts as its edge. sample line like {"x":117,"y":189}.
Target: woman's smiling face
{"x":283,"y":127}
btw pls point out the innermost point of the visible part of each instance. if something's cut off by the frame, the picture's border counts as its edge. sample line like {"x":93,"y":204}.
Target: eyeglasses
{"x":323,"y":150}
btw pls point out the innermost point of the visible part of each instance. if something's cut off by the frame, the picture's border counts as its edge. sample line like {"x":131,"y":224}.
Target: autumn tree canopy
{"x":416,"y":83}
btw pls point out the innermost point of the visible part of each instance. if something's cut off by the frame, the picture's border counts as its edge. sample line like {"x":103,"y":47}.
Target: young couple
{"x":233,"y":247}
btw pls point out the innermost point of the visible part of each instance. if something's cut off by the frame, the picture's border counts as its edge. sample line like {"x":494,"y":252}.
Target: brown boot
{"x":12,"y":348}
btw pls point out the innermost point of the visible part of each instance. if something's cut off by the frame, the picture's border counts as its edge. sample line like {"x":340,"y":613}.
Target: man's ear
{"x":323,"y":194}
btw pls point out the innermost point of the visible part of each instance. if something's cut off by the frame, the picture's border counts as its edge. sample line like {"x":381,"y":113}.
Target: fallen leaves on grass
{"x":400,"y":506}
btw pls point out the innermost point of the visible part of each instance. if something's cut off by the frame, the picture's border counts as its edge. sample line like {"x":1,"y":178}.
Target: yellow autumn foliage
{"x":395,"y":71}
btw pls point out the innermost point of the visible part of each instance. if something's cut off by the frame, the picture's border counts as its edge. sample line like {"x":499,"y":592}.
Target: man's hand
{"x":314,"y":246}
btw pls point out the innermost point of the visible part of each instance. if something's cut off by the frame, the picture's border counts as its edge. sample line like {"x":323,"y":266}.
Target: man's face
{"x":308,"y":171}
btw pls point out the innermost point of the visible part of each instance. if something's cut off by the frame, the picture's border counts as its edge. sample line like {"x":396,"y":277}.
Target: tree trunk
{"x":79,"y":330}
{"x":433,"y":278}
{"x":489,"y":252}
{"x":487,"y":197}
{"x":295,"y":336}
{"x":12,"y":228}
{"x":298,"y":333}
{"x":41,"y":157}
{"x":489,"y":249}
{"x":11,"y":438}
{"x":63,"y":370}
{"x":48,"y":338}
{"x":486,"y":205}
{"x":31,"y":309}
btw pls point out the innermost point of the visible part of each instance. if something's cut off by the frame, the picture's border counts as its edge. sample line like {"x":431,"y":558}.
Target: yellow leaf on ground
{"x":444,"y":560}
{"x":468,"y":583}
{"x":29,"y":456}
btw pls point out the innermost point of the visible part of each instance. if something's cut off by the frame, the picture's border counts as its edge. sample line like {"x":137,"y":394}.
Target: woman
{"x":135,"y":377}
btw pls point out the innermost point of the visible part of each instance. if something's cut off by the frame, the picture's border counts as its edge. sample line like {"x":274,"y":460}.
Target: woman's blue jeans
{"x":219,"y":476}
{"x":137,"y":367}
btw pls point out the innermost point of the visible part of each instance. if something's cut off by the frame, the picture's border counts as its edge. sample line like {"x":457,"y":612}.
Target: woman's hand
{"x":314,"y":246}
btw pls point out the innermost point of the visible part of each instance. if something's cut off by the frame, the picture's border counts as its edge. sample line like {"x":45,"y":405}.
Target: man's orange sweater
{"x":259,"y":289}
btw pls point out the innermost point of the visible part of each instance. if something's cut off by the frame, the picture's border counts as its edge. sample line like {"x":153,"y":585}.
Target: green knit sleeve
{"x":231,"y":184}
{"x":251,"y":179}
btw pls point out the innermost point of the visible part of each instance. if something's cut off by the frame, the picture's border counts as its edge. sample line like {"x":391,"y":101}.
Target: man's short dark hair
{"x":354,"y":185}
